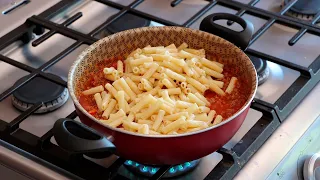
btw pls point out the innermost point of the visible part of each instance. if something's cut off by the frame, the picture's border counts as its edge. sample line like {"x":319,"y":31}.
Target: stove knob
{"x":311,"y":168}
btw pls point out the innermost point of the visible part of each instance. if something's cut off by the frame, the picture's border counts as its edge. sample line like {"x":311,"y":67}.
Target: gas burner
{"x":127,"y":21}
{"x":304,"y":9}
{"x":261,"y":68}
{"x":149,"y":170}
{"x":37,"y":90}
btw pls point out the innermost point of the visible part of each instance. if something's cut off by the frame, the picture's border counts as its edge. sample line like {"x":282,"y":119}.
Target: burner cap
{"x":304,"y":9}
{"x":149,"y":170}
{"x":39,"y":90}
{"x":261,"y":68}
{"x":127,"y":21}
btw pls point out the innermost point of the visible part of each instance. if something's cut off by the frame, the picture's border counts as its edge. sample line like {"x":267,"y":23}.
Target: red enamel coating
{"x":173,"y":150}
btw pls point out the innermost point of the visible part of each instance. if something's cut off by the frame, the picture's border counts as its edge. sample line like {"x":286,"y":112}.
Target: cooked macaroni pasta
{"x":161,"y":90}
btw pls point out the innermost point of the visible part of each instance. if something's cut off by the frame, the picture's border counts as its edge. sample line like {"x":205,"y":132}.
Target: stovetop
{"x":49,"y":42}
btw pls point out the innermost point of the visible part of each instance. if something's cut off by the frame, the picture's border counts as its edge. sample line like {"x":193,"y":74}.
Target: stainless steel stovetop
{"x":276,"y":159}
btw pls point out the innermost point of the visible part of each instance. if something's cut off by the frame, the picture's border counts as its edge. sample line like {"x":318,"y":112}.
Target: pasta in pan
{"x":163,"y":90}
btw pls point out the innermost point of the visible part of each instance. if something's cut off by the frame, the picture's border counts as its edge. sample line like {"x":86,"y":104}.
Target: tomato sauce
{"x":229,"y":104}
{"x":95,"y":79}
{"x":225,"y":106}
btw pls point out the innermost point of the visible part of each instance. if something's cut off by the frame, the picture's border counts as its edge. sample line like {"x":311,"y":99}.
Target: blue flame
{"x":152,"y":170}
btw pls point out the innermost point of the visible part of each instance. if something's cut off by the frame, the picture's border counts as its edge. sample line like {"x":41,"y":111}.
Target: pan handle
{"x":240,"y":39}
{"x":78,"y":138}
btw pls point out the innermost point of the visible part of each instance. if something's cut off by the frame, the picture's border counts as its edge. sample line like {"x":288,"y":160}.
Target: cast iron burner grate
{"x":149,"y":170}
{"x":38,"y":90}
{"x":42,"y":150}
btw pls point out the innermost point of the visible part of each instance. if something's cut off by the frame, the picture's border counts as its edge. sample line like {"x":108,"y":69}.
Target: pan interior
{"x":119,"y":45}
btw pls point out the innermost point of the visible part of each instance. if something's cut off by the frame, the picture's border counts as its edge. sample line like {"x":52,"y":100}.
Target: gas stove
{"x":279,"y":134}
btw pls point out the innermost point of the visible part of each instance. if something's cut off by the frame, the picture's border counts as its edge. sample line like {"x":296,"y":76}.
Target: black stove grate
{"x":42,"y":150}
